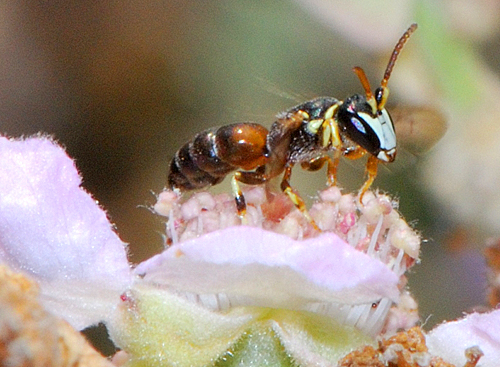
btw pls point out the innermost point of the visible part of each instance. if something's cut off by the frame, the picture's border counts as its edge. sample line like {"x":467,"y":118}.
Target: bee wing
{"x":279,"y":138}
{"x":275,"y":89}
{"x":418,"y":128}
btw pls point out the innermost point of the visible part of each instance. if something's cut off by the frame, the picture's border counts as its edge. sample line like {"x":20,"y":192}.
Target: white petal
{"x":51,"y":229}
{"x":451,"y":339}
{"x":271,"y":270}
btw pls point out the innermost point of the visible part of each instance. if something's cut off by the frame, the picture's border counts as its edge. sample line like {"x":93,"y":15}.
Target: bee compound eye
{"x":359,"y":128}
{"x":358,"y":125}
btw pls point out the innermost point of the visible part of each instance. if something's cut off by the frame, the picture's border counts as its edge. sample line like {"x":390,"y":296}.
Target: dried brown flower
{"x":405,"y":349}
{"x":31,"y":337}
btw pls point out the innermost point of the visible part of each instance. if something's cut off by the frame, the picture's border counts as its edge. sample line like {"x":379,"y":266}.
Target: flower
{"x":52,"y":230}
{"x":274,"y":291}
{"x":449,"y":339}
{"x":272,"y":276}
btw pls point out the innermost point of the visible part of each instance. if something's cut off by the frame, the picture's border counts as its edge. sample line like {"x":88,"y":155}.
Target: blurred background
{"x":123,"y":84}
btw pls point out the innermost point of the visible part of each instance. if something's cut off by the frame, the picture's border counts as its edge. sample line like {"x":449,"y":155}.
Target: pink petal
{"x":451,"y":339}
{"x":272,"y":270}
{"x":50,"y":227}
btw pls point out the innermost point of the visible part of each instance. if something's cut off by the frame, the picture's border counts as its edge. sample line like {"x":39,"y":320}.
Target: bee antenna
{"x":395,"y":54}
{"x":366,"y":86}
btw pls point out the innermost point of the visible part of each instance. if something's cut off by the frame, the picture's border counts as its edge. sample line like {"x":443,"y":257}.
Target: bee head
{"x":372,"y":130}
{"x":365,"y":120}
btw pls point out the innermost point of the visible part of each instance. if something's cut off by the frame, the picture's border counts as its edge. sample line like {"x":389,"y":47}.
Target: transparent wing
{"x":418,"y":128}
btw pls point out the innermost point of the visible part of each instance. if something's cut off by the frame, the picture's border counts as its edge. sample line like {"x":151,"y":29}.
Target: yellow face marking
{"x":314,"y":125}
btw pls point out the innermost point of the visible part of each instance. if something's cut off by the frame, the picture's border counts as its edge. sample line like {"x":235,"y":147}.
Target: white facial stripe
{"x":388,"y":128}
{"x":387,"y":156}
{"x":383,"y":128}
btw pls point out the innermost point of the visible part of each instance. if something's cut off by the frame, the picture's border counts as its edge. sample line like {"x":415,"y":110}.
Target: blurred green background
{"x":123,"y":84}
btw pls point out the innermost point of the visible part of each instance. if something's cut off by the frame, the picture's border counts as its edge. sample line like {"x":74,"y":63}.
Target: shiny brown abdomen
{"x":214,"y":153}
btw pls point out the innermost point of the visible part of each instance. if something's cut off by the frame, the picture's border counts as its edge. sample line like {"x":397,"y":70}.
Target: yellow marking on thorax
{"x":314,"y":125}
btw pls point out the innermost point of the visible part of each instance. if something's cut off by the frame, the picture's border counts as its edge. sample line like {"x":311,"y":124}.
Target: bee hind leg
{"x":249,"y":178}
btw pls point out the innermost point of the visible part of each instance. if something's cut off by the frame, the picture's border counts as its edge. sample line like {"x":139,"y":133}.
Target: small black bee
{"x":304,"y":134}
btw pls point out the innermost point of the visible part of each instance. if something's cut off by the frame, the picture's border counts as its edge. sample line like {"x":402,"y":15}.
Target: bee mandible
{"x":305,"y":134}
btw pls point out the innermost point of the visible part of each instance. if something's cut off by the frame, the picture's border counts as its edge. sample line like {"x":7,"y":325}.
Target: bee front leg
{"x":355,"y":154}
{"x":371,"y":169}
{"x":294,"y":196}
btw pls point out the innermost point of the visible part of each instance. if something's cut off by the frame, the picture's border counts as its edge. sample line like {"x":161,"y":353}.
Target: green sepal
{"x":158,"y":328}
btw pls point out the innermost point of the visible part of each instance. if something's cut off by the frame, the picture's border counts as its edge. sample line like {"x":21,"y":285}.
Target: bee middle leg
{"x":294,"y":196}
{"x":371,"y":169}
{"x":316,"y":164}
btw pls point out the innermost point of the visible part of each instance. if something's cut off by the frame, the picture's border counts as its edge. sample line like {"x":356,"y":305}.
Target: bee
{"x":306,"y":134}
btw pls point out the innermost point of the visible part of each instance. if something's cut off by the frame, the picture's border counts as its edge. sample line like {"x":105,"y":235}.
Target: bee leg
{"x":250,"y":178}
{"x":371,"y":169}
{"x":355,"y":154}
{"x":241,"y":205}
{"x":332,"y":168}
{"x":296,"y":199}
{"x":316,"y":164}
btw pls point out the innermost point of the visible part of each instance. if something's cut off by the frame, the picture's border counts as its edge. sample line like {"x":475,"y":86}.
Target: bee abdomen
{"x":214,"y":153}
{"x":204,"y":152}
{"x":196,"y":164}
{"x":243,"y":145}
